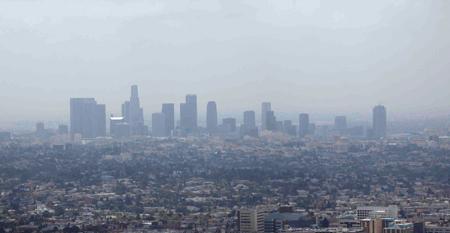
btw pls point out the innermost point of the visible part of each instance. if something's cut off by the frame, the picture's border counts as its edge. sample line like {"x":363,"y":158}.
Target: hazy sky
{"x":303,"y":56}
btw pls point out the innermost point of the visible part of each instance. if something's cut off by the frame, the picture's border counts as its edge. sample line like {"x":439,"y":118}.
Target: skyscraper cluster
{"x":88,"y":119}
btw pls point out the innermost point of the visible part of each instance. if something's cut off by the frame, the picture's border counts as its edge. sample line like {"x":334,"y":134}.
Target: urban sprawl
{"x":178,"y":176}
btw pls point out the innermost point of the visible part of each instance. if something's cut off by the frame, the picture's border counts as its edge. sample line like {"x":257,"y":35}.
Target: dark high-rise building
{"x":211,"y":117}
{"x":188,"y":114}
{"x":340,"y":124}
{"x":191,"y":100}
{"x":379,"y":121}
{"x":159,"y":125}
{"x":100,"y":116}
{"x":249,"y":119}
{"x":184,"y":117}
{"x":169,"y":113}
{"x":303,"y":124}
{"x":87,"y":118}
{"x":271,"y":121}
{"x":134,"y":114}
{"x":265,"y":107}
{"x":249,"y":126}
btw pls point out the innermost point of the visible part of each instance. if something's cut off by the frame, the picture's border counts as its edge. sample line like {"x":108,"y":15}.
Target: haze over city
{"x":224,"y":116}
{"x":324,"y":57}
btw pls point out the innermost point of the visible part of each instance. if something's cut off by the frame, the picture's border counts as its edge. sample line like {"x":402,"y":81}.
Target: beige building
{"x":252,"y":220}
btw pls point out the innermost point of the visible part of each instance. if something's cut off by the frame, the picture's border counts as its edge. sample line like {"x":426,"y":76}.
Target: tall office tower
{"x":340,"y":124}
{"x":379,"y":121}
{"x":248,"y":128}
{"x":271,"y":121}
{"x":134,"y":114}
{"x":229,"y":125}
{"x":63,"y":129}
{"x":188,"y":114}
{"x":169,"y":113}
{"x":87,"y":118}
{"x":100,"y":118}
{"x":184,"y":117}
{"x":211,"y":117}
{"x":159,"y":125}
{"x":303,"y":125}
{"x":191,"y":100}
{"x":249,"y":120}
{"x":265,"y":107}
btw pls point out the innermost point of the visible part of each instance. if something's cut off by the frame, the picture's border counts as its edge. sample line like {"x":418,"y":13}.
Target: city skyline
{"x":225,"y":116}
{"x":322,"y":57}
{"x":88,"y":120}
{"x":175,"y":117}
{"x":231,"y":109}
{"x":200,"y":111}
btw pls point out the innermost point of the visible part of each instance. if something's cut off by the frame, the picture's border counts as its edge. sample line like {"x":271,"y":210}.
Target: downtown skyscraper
{"x":87,"y":118}
{"x":211,"y":117}
{"x":169,"y":114}
{"x":248,"y":128}
{"x":303,"y":124}
{"x":134,"y":114}
{"x":249,"y":120}
{"x":379,"y":121}
{"x":188,"y":114}
{"x":271,"y":121}
{"x":265,"y":107}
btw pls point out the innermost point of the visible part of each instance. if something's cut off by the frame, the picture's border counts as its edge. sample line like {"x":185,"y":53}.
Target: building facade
{"x":87,"y":118}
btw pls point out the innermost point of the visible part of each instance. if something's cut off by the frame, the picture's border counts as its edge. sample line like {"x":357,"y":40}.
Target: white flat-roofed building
{"x":377,"y":212}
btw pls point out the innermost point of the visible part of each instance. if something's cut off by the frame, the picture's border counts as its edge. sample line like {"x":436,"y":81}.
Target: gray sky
{"x":303,"y":56}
